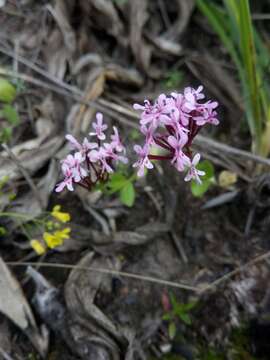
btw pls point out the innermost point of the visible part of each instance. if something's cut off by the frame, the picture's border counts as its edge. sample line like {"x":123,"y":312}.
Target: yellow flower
{"x":59,"y":215}
{"x":57,"y":238}
{"x":38,"y":247}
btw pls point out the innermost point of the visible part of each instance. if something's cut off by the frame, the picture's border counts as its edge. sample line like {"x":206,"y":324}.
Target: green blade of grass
{"x":248,"y":52}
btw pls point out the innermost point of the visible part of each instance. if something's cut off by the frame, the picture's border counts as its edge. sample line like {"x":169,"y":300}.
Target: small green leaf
{"x":207,"y":180}
{"x":11,"y":196}
{"x":117,"y":182}
{"x":172,"y":330}
{"x":189,"y":306}
{"x":10,"y":114}
{"x":5,"y":134}
{"x":167,"y":317}
{"x":127,"y":194}
{"x":134,"y":134}
{"x":7,"y":91}
{"x":199,"y":189}
{"x":208,"y":168}
{"x":185,"y":318}
{"x":2,"y":231}
{"x":3,"y":181}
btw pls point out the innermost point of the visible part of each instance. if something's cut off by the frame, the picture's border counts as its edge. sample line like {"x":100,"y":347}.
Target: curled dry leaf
{"x":61,"y":42}
{"x":31,"y":159}
{"x":141,"y":50}
{"x":80,"y":116}
{"x":14,"y":305}
{"x":29,"y":204}
{"x":185,"y":9}
{"x":92,"y":330}
{"x":109,"y":19}
{"x":60,"y":13}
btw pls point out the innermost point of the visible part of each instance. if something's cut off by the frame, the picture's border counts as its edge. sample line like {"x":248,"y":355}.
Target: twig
{"x":178,"y":245}
{"x":194,"y":289}
{"x":25,"y":174}
{"x":5,"y":355}
{"x":241,"y":268}
{"x":260,"y":16}
{"x":203,"y":141}
{"x":109,"y":272}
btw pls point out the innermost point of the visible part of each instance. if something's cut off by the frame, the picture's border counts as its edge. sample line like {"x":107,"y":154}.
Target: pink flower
{"x":179,"y":102}
{"x":143,"y":161}
{"x":194,"y":173}
{"x":146,"y":109}
{"x":84,"y":147}
{"x":99,"y":127}
{"x":206,"y":114}
{"x":152,"y":113}
{"x":68,"y":180}
{"x":108,"y":151}
{"x":180,"y":160}
{"x":173,"y":120}
{"x":116,"y":141}
{"x":191,"y":94}
{"x":73,"y":162}
{"x":148,"y":133}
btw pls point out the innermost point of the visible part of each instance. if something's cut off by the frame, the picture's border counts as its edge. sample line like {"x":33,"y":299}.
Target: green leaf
{"x":208,"y":168}
{"x":189,"y":306}
{"x":7,"y":91}
{"x":127,"y":194}
{"x":5,"y":134}
{"x":199,"y":189}
{"x":2,"y":231}
{"x":10,"y":114}
{"x":167,"y":317}
{"x":185,"y":318}
{"x":172,"y":330}
{"x":117,"y":182}
{"x":207,"y":180}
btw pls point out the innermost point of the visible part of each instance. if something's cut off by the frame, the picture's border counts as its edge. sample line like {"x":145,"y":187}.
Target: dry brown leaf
{"x":80,"y":292}
{"x":78,"y":121}
{"x":14,"y":305}
{"x":185,"y":9}
{"x":60,"y":14}
{"x":31,"y":159}
{"x":141,"y":50}
{"x":115,"y":72}
{"x":110,"y":19}
{"x":28,"y":204}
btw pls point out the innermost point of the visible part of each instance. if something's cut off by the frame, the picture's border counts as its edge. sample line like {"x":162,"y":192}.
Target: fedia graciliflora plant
{"x":170,"y":124}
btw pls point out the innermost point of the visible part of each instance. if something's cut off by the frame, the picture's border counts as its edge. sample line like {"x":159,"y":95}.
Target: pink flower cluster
{"x":171,"y":123}
{"x":92,"y":161}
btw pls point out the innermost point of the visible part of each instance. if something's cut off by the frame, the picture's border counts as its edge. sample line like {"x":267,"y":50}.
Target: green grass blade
{"x":248,"y":54}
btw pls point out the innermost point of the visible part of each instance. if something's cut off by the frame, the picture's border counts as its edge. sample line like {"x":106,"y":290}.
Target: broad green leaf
{"x":199,"y":189}
{"x":185,"y":318}
{"x":10,"y":114}
{"x":127,"y":194}
{"x":172,"y":330}
{"x":7,"y":91}
{"x":208,"y":168}
{"x":116,"y":182}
